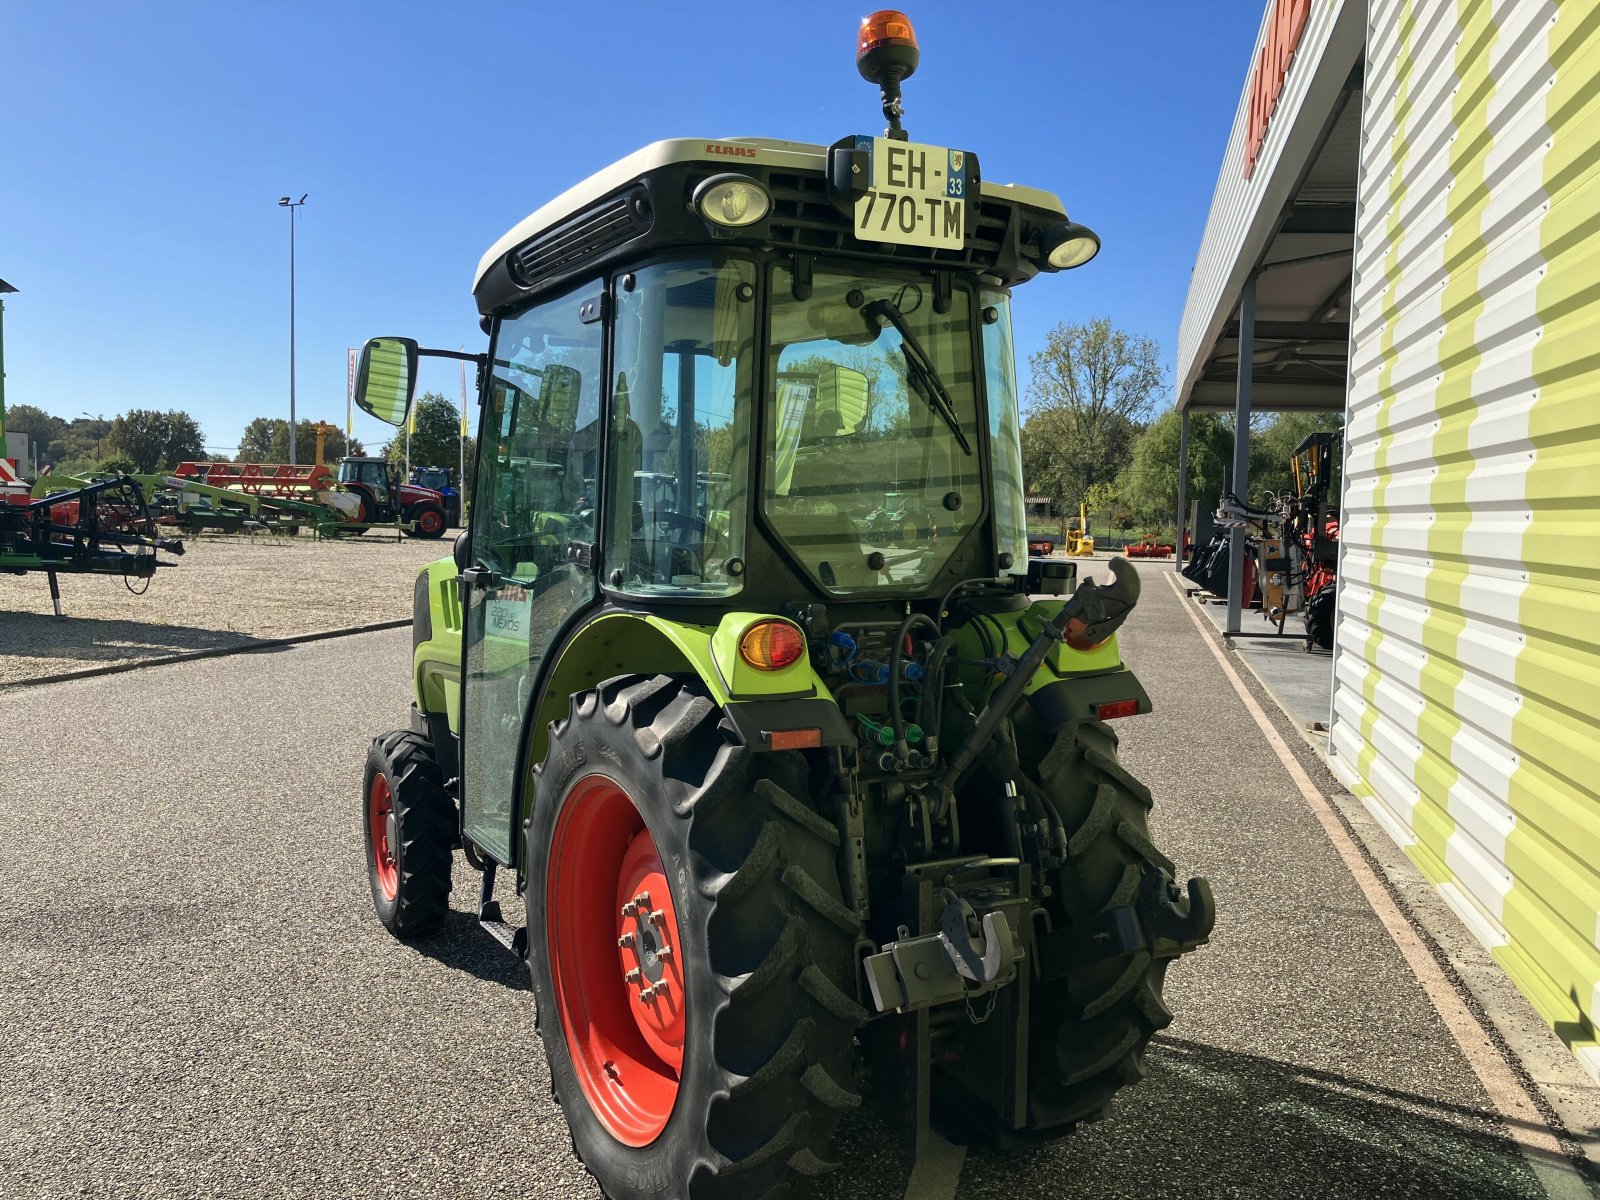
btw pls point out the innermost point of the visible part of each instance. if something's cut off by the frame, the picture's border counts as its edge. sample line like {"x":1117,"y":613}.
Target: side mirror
{"x":462,"y":551}
{"x":386,"y":379}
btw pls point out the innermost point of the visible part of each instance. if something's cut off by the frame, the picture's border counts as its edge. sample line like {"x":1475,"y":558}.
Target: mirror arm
{"x":480,"y":359}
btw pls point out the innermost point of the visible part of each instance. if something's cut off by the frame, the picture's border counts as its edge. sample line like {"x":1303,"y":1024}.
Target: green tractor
{"x":794,"y":821}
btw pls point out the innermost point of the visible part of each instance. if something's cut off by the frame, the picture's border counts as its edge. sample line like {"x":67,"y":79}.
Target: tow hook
{"x":979,"y":964}
{"x":965,"y":958}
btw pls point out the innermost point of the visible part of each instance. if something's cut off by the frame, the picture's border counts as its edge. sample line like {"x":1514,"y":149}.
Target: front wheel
{"x":691,"y":957}
{"x":410,"y":828}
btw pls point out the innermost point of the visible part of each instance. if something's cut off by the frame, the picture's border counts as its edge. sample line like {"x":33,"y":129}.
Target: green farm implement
{"x":98,"y":528}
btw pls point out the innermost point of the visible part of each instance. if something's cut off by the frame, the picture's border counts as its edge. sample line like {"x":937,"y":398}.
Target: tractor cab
{"x":740,"y":672}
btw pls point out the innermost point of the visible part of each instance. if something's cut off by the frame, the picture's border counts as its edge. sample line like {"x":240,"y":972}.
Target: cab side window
{"x":680,"y":429}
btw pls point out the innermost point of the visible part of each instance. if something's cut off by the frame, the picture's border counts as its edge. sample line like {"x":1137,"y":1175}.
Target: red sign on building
{"x":1287,"y":24}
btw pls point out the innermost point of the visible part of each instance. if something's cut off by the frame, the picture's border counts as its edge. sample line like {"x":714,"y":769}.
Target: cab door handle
{"x":480,"y":577}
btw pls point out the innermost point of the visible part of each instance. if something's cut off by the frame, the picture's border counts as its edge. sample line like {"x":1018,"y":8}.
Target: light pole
{"x":5,"y":289}
{"x":291,"y":205}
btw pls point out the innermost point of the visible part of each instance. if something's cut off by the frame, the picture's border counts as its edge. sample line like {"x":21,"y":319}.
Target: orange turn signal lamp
{"x":771,"y":645}
{"x":1077,"y":636}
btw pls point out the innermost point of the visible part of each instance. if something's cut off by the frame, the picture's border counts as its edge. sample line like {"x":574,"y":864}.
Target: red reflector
{"x":771,"y":645}
{"x":1117,"y":708}
{"x":793,"y":739}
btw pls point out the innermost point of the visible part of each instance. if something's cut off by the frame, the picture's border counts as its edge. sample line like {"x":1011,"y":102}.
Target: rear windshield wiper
{"x":920,"y":371}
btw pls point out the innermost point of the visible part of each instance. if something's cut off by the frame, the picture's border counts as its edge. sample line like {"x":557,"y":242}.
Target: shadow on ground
{"x":1212,"y":1122}
{"x":462,"y":945}
{"x":91,"y":641}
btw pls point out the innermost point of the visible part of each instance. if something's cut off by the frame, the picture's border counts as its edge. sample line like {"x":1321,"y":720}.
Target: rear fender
{"x":1071,"y":684}
{"x":621,"y":643}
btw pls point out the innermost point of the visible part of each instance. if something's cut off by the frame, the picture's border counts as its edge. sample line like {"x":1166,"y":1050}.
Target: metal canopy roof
{"x":1291,"y":222}
{"x":1302,"y":330}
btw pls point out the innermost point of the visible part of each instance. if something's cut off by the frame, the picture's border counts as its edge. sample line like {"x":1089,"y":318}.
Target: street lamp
{"x":291,"y":205}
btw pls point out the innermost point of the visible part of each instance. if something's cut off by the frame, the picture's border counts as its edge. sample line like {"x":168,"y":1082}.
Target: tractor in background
{"x":443,"y":481}
{"x":385,"y":499}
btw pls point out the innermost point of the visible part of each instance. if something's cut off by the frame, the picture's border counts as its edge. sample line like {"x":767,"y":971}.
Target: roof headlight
{"x":1066,"y":244}
{"x":732,"y":201}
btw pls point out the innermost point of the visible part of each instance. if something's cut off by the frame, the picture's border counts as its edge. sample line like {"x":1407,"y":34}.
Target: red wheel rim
{"x":430,"y":522}
{"x":381,"y":835}
{"x":609,"y":915}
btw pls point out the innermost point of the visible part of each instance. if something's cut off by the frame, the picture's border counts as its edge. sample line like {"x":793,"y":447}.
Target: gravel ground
{"x":222,"y":592}
{"x":196,"y":1001}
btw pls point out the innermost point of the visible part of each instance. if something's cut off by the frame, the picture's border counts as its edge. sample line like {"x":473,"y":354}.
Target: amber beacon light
{"x":886,"y":49}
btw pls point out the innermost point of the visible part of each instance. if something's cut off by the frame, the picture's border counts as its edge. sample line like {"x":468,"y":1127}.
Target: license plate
{"x":917,"y":195}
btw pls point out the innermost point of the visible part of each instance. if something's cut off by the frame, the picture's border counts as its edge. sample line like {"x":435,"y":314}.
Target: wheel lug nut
{"x":663,"y":951}
{"x":625,"y":941}
{"x":642,"y":899}
{"x":644,"y":995}
{"x":657,"y":917}
{"x":633,"y":976}
{"x":630,"y":909}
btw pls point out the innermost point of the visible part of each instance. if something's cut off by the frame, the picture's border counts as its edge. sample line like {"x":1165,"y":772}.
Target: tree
{"x":156,"y":441}
{"x":1150,"y":483}
{"x":266,"y":440}
{"x":43,"y":430}
{"x":1093,"y":387}
{"x":436,"y":440}
{"x":85,"y":443}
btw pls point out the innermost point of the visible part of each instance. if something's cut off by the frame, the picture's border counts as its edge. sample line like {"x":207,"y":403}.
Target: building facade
{"x":1465,"y":705}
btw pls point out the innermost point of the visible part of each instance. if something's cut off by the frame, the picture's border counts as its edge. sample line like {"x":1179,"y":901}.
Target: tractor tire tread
{"x":778,"y":954}
{"x":426,"y":825}
{"x":1089,"y":1029}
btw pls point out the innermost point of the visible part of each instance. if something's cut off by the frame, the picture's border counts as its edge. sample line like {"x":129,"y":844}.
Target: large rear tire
{"x":730,"y":1080}
{"x":427,"y":521}
{"x":410,"y":825}
{"x":1089,"y":1028}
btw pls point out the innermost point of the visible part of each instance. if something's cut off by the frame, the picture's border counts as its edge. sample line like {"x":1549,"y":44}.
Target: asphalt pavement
{"x":196,"y":1001}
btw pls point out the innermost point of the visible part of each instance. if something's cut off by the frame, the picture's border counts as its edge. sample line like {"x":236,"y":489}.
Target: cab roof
{"x":727,"y":153}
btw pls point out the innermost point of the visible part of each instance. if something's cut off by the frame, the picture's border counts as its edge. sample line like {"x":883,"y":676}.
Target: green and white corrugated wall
{"x":1467,"y":664}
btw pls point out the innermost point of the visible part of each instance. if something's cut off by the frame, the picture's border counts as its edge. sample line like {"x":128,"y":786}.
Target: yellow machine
{"x":1079,"y":543}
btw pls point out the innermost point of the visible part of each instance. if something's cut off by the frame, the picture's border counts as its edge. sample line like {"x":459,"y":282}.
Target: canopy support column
{"x":1183,"y":488}
{"x":1241,"y":447}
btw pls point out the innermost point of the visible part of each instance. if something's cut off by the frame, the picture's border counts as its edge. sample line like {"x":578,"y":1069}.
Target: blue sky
{"x":143,"y":148}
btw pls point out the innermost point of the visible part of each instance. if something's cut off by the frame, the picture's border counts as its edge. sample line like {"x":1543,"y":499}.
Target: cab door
{"x":528,"y":578}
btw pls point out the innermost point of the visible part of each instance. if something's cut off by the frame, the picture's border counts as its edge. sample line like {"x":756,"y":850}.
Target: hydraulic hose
{"x":1092,"y":614}
{"x":930,"y":713}
{"x":896,"y":664}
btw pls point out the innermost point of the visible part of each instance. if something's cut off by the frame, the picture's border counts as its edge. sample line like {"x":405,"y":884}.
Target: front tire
{"x":730,"y":1080}
{"x":410,"y":825}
